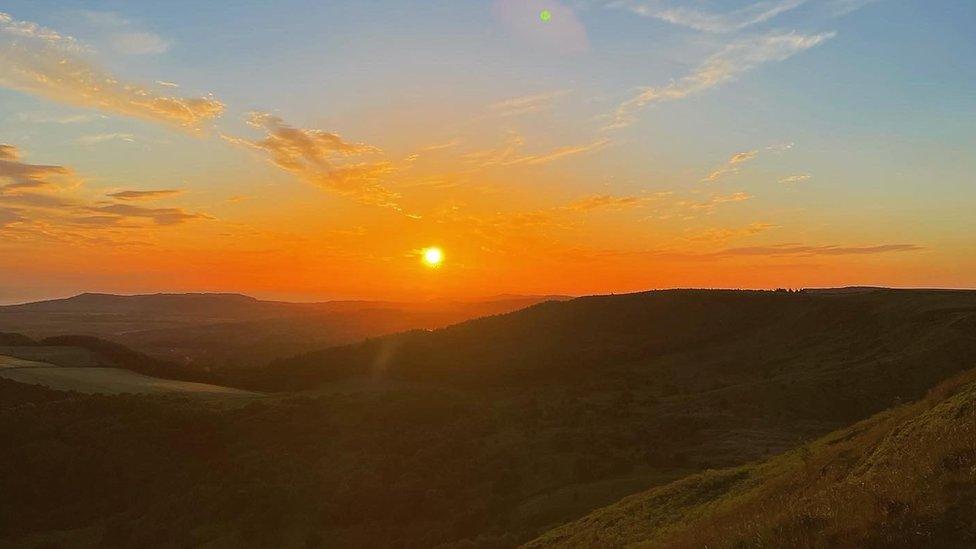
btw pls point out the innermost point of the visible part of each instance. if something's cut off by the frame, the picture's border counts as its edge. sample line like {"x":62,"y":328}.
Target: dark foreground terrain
{"x":733,"y":417}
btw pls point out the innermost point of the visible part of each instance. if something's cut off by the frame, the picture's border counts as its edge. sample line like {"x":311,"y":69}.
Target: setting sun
{"x":433,"y":257}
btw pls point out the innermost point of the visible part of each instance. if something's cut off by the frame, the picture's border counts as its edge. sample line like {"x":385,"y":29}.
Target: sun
{"x":433,"y":257}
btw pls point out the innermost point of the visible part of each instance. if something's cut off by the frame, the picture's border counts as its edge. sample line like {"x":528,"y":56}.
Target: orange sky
{"x":568,"y":158}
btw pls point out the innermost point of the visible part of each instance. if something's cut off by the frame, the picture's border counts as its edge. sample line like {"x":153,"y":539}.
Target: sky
{"x":314,"y":150}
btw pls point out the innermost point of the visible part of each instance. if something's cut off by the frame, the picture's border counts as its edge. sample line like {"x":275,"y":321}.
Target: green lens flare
{"x":545,"y":15}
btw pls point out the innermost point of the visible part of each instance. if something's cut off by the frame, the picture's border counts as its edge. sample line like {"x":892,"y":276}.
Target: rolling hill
{"x":212,"y":331}
{"x":487,"y":433}
{"x":86,"y":364}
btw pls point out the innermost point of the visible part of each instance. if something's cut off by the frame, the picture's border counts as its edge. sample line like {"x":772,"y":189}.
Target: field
{"x":91,"y":379}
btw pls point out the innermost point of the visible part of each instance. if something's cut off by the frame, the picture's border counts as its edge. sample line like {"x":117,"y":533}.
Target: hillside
{"x":698,"y":339}
{"x":903,"y":478}
{"x":485,"y":434}
{"x":212,"y":331}
{"x":90,"y":365}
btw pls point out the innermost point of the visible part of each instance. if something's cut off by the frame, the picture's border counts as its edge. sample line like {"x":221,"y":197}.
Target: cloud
{"x":509,"y":153}
{"x":731,"y":166}
{"x":781,"y":147}
{"x":20,"y":175}
{"x":42,"y":62}
{"x":610,"y":202}
{"x":9,"y":217}
{"x":526,"y":104}
{"x":733,"y":60}
{"x":840,"y":8}
{"x":124,"y":36}
{"x":43,"y":202}
{"x":729,"y":233}
{"x":803,"y":250}
{"x":698,"y":19}
{"x":796,"y":179}
{"x":441,"y":146}
{"x":323,"y":159}
{"x":709,"y":206}
{"x":556,"y":154}
{"x":139,"y":43}
{"x":104,"y":137}
{"x":159,"y":216}
{"x":44,"y":118}
{"x":129,"y":196}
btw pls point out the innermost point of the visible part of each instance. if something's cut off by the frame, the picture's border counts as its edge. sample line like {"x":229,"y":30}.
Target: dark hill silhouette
{"x":561,"y":340}
{"x":164,"y":304}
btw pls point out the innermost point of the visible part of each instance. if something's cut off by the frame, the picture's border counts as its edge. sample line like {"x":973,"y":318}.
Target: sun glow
{"x":433,"y":257}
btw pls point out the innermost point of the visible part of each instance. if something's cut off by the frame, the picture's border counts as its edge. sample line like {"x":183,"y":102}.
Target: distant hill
{"x":166,"y":304}
{"x":903,"y":478}
{"x":234,"y":331}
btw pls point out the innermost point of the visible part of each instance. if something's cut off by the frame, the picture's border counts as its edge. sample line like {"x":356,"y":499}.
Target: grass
{"x":903,"y":478}
{"x":114,"y":381}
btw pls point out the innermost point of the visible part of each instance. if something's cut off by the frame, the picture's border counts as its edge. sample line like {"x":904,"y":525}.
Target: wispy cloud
{"x":556,"y":154}
{"x":509,"y":153}
{"x":47,"y":118}
{"x":444,"y":145}
{"x":159,"y":216}
{"x":699,"y":19}
{"x":840,"y":8}
{"x":130,"y":196}
{"x":733,"y":60}
{"x":322,"y":158}
{"x":611,"y":202}
{"x":140,"y":43}
{"x":124,"y":36}
{"x":731,"y":166}
{"x":526,"y":104}
{"x":805,"y":250}
{"x":729,"y":233}
{"x":97,"y":138}
{"x":41,"y":61}
{"x":796,"y":179}
{"x":711,"y":205}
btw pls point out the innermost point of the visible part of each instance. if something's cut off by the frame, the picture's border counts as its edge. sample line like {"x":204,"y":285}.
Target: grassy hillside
{"x":903,"y":478}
